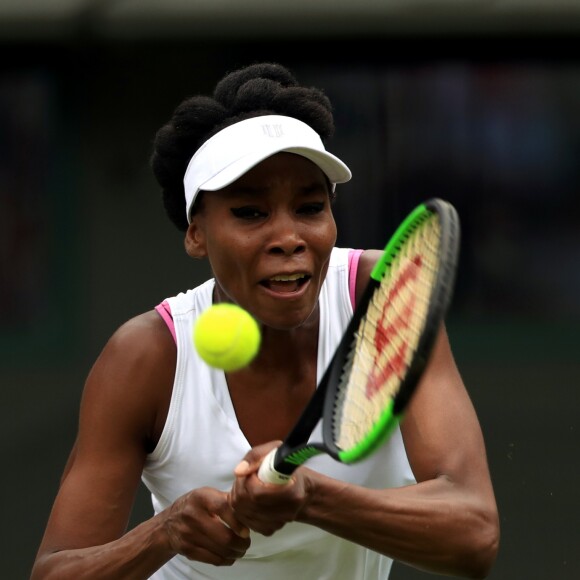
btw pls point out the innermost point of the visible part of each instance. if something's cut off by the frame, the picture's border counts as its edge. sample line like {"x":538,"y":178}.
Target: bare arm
{"x":447,"y":523}
{"x":121,"y":412}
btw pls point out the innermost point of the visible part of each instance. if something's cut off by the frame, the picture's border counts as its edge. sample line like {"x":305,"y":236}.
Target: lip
{"x":296,"y":274}
{"x":291,"y":295}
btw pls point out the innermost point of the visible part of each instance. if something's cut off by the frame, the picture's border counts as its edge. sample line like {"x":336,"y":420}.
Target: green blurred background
{"x":472,"y":101}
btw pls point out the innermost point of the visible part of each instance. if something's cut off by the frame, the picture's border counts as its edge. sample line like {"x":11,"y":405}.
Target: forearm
{"x":432,"y":525}
{"x":135,"y":556}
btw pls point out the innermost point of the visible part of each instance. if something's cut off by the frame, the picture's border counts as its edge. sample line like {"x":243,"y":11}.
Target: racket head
{"x":391,"y":335}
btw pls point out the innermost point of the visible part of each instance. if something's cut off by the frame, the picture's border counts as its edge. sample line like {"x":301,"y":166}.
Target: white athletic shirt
{"x":201,"y":444}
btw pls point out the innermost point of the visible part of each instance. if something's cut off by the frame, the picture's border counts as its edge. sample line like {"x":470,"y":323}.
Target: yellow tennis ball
{"x":226,"y":336}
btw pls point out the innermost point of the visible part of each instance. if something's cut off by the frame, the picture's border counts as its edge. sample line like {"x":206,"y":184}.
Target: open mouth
{"x":286,"y":283}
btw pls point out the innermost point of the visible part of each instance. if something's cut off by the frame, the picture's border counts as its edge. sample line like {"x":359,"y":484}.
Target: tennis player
{"x":246,"y":177}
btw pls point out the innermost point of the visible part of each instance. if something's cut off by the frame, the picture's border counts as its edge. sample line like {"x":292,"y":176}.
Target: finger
{"x":225,"y":541}
{"x":252,"y":460}
{"x":226,"y":515}
{"x":230,"y":521}
{"x":218,"y":545}
{"x":209,"y":556}
{"x":242,"y":469}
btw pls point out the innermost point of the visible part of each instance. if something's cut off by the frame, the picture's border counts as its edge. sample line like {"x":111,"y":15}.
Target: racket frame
{"x":296,"y":448}
{"x":439,"y":302}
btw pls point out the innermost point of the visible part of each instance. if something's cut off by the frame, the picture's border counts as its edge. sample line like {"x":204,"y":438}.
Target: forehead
{"x":281,"y":168}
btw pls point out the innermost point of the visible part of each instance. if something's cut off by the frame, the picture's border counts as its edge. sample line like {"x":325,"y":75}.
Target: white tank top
{"x":201,"y":444}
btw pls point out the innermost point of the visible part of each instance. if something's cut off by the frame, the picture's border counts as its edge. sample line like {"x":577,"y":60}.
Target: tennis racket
{"x":379,"y":361}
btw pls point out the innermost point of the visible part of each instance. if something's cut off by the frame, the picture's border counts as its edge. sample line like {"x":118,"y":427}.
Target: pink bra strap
{"x":353,"y":259}
{"x":164,"y":311}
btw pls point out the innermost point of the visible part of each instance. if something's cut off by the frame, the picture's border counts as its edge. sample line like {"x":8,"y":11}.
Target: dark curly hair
{"x":252,"y":91}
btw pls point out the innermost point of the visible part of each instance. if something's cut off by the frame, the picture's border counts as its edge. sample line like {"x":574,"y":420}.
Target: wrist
{"x":314,"y":491}
{"x":165,"y":535}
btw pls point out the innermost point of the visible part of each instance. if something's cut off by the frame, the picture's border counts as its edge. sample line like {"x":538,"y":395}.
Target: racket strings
{"x":388,"y":335}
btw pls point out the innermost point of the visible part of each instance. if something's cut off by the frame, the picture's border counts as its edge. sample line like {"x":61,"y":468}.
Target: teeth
{"x":290,"y":278}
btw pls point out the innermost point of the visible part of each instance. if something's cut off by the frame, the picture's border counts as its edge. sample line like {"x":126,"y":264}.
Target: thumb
{"x":253,"y":459}
{"x":242,"y":469}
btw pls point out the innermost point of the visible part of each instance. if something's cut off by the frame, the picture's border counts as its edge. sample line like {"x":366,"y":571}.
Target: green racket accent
{"x":356,"y":436}
{"x":362,"y":396}
{"x":302,"y":455}
{"x":377,"y":435}
{"x":410,"y":224}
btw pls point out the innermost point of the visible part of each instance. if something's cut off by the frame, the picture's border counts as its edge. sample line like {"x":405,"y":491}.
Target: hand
{"x":263,"y":507}
{"x":201,"y":526}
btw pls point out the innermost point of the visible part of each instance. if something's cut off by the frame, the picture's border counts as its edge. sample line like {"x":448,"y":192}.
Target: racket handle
{"x":267,"y":472}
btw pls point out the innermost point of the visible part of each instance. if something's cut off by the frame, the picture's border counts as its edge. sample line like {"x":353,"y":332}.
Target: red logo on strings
{"x":387,"y":331}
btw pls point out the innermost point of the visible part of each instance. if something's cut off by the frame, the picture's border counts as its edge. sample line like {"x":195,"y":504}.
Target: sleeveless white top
{"x":201,"y":444}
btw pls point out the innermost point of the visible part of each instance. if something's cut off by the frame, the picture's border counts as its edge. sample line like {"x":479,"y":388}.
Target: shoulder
{"x":134,"y":373}
{"x":148,"y":325}
{"x":144,"y":339}
{"x":366,"y":263}
{"x":142,"y":350}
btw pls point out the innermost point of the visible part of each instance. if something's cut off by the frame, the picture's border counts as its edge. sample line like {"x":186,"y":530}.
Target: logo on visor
{"x":273,"y":130}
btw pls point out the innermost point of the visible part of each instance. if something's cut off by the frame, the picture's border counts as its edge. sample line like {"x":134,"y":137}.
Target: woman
{"x":246,"y":176}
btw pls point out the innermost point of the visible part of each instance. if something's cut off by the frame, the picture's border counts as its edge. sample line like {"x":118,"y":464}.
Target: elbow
{"x":37,"y":573}
{"x":481,"y":553}
{"x":41,"y":569}
{"x":44,"y":568}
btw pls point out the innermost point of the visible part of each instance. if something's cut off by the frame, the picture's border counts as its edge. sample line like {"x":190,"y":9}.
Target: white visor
{"x":233,"y":151}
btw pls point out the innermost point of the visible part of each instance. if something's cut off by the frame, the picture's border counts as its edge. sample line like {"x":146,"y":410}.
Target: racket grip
{"x":267,"y":472}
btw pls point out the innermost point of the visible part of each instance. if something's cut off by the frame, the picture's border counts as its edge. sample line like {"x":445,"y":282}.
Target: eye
{"x":311,"y":208}
{"x":247,"y":213}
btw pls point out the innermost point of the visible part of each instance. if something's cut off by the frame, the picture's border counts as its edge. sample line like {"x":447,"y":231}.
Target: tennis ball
{"x":226,"y":336}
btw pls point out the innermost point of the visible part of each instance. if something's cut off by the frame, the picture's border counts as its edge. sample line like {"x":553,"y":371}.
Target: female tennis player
{"x":246,"y":177}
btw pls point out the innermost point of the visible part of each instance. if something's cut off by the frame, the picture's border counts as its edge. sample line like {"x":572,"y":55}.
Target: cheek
{"x":333,"y":233}
{"x":229,"y":263}
{"x":326,"y":236}
{"x":223,"y":263}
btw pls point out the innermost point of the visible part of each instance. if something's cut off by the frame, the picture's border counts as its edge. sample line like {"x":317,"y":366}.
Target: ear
{"x":194,"y":242}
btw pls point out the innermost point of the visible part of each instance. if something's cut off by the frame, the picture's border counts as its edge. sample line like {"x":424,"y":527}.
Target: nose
{"x":285,"y":236}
